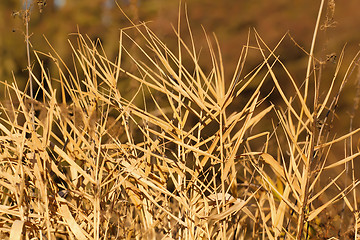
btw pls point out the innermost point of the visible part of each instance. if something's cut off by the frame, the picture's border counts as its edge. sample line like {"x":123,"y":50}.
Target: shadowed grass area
{"x":164,"y":149}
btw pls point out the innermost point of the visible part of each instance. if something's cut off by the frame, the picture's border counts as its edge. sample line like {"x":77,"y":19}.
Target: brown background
{"x":229,"y":20}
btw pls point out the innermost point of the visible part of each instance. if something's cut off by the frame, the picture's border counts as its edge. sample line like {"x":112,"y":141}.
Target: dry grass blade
{"x":153,"y":145}
{"x":238,"y":205}
{"x":71,"y":223}
{"x":17,"y":229}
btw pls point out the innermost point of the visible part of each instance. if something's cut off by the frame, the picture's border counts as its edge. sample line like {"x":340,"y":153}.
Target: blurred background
{"x":229,"y":20}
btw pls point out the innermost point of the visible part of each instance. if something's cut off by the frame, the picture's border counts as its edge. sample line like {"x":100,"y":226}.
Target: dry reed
{"x":173,"y":159}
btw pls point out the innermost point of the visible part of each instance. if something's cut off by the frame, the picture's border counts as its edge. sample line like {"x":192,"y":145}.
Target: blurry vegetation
{"x":229,"y":20}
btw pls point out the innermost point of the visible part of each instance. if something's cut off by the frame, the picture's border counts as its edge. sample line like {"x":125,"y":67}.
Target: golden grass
{"x":172,"y":159}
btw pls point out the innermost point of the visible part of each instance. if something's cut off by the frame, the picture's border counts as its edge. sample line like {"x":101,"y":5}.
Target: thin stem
{"x":27,"y":40}
{"x":307,"y":176}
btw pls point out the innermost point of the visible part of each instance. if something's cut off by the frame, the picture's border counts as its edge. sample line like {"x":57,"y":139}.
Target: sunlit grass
{"x":171,"y":150}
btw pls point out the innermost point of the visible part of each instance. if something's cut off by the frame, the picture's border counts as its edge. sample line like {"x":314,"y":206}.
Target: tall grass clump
{"x":186,"y":154}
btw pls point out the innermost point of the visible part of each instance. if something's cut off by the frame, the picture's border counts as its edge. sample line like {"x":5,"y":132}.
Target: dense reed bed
{"x":152,"y":145}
